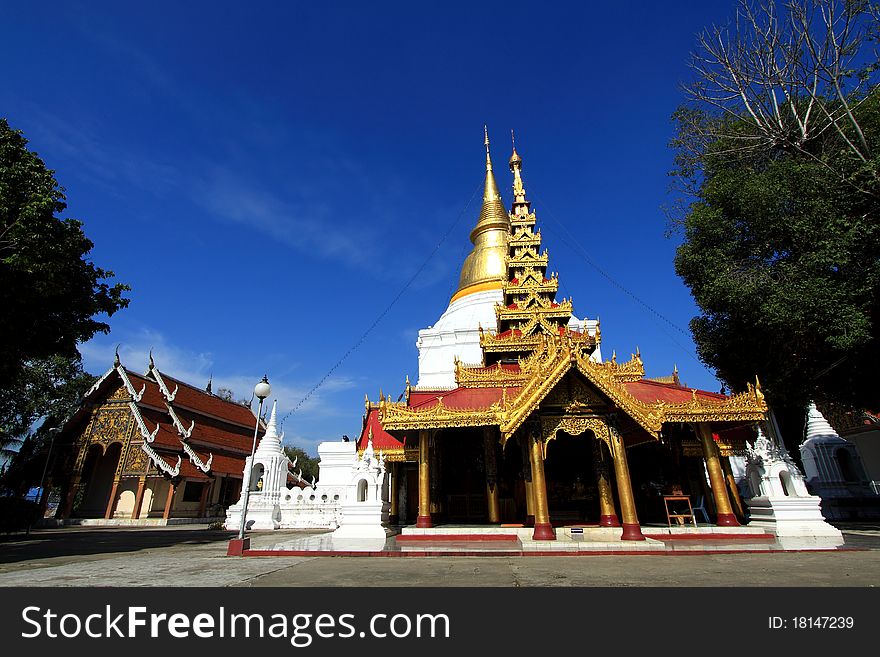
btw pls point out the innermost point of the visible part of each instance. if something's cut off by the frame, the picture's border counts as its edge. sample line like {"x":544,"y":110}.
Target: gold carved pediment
{"x":574,"y":425}
{"x":110,"y":425}
{"x":573,"y":395}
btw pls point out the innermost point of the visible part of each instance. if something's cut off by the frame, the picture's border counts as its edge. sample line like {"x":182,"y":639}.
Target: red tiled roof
{"x":381,"y":438}
{"x":462,"y":398}
{"x":208,"y":434}
{"x":192,"y":398}
{"x":654,"y":391}
{"x":506,"y":366}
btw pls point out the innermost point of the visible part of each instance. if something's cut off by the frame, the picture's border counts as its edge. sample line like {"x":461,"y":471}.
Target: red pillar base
{"x":609,"y":521}
{"x":530,"y":521}
{"x":727,"y":520}
{"x":632,"y":532}
{"x":543,"y":532}
{"x":424,"y":521}
{"x":237,"y":546}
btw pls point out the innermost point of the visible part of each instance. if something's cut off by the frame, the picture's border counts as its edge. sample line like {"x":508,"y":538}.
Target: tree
{"x":777,"y":160}
{"x":51,"y":295}
{"x":308,"y":464}
{"x":783,"y":76}
{"x":225,"y":394}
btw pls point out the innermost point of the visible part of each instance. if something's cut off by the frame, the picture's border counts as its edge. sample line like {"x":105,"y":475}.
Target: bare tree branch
{"x":793,"y":69}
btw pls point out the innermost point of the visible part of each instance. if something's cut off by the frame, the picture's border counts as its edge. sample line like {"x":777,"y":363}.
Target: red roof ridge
{"x":662,"y":384}
{"x":201,"y":391}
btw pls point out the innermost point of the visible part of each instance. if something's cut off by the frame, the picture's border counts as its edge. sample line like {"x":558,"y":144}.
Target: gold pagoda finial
{"x":520,"y":204}
{"x":514,"y":158}
{"x":484,"y":268}
{"x":486,"y":141}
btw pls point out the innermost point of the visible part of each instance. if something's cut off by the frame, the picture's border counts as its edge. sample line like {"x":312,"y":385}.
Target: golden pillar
{"x":530,"y":504}
{"x":607,"y":514}
{"x":632,"y":531}
{"x":111,"y":503}
{"x":526,"y":456}
{"x":394,"y":493}
{"x":139,"y":498}
{"x":725,"y":514}
{"x":732,"y":488}
{"x":424,"y":517}
{"x":493,"y":502}
{"x":543,"y":528}
{"x":435,"y":467}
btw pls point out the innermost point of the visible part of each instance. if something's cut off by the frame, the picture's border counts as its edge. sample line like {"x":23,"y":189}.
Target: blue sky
{"x":268,"y":177}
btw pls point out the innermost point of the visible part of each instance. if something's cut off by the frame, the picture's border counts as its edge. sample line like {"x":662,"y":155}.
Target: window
{"x":192,"y":492}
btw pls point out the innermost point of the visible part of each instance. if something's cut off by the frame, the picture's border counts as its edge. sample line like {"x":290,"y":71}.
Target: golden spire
{"x":520,"y":204}
{"x":484,"y":268}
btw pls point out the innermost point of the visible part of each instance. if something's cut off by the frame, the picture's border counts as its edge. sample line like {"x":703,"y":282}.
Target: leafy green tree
{"x":51,"y":294}
{"x":781,"y":185}
{"x":308,"y":464}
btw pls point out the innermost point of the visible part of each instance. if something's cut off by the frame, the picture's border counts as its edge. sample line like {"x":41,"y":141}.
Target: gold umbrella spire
{"x":520,"y":204}
{"x":484,"y":268}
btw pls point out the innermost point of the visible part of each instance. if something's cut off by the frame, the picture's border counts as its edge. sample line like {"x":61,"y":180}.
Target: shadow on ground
{"x":72,"y":541}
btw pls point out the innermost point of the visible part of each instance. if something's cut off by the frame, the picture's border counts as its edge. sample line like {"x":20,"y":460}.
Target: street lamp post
{"x":261,"y":391}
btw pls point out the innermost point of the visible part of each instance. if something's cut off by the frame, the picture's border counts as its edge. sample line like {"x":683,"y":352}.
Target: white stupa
{"x":833,"y":468}
{"x":780,"y":500}
{"x":266,"y":474}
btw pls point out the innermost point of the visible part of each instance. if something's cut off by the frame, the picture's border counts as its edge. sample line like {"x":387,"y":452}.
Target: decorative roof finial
{"x":515,"y":159}
{"x":486,"y":141}
{"x":152,"y":364}
{"x":116,"y":361}
{"x":210,"y":381}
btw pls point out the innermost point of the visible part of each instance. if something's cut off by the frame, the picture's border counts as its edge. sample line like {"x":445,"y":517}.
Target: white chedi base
{"x":781,"y":502}
{"x":456,"y":335}
{"x":259,"y":516}
{"x":365,"y":507}
{"x":362,"y":520}
{"x":791,"y":516}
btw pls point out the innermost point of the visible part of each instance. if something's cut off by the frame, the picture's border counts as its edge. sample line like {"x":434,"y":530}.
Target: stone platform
{"x":482,"y":540}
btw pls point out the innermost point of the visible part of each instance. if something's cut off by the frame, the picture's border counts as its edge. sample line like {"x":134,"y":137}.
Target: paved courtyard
{"x":196,"y":556}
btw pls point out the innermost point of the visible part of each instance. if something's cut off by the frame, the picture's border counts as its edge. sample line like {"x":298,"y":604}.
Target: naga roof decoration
{"x":182,"y":434}
{"x":158,"y":461}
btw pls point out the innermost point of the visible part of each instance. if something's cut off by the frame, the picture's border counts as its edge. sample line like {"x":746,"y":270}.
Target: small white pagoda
{"x":780,"y":500}
{"x":350,"y":495}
